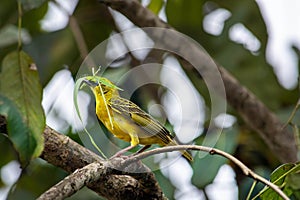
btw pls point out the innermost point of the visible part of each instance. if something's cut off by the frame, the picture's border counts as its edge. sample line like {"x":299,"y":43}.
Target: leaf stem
{"x":251,"y":189}
{"x":19,"y":26}
{"x":77,"y":33}
{"x":289,"y":121}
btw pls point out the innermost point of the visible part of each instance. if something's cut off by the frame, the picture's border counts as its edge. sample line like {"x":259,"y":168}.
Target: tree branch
{"x":279,"y":139}
{"x":106,"y":170}
{"x":96,"y":172}
{"x":248,"y":172}
{"x":74,"y":182}
{"x":252,"y":110}
{"x":63,"y":152}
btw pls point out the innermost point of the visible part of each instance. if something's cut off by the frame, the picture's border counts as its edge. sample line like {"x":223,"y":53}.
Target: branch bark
{"x":278,"y":138}
{"x":74,"y":182}
{"x":63,"y":152}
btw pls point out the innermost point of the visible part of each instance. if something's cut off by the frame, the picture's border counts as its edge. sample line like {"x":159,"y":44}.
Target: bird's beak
{"x":90,"y":83}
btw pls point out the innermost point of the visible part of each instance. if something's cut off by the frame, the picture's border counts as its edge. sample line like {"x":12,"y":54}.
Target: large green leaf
{"x":16,"y":128}
{"x":287,"y":178}
{"x":21,"y":104}
{"x":186,"y":16}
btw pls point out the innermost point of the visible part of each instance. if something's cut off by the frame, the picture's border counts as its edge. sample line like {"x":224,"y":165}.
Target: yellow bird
{"x":126,"y":121}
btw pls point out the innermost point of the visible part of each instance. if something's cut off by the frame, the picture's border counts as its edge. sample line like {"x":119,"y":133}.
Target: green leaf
{"x":7,"y":153}
{"x":284,"y":176}
{"x":155,"y":6}
{"x":75,"y":94}
{"x":293,"y":181}
{"x":16,"y":128}
{"x":279,"y":174}
{"x":20,"y":84}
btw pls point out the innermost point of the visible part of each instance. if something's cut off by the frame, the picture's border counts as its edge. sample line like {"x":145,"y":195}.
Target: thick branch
{"x":63,"y":152}
{"x":74,"y":182}
{"x":251,"y":109}
{"x":98,"y":171}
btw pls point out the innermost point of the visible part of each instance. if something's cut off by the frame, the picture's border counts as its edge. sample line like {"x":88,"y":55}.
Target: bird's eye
{"x":104,"y":88}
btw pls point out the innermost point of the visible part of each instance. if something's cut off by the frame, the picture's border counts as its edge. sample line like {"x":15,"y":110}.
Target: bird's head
{"x":106,"y":85}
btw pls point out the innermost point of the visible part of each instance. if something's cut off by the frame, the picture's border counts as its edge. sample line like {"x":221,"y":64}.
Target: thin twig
{"x":248,"y":172}
{"x":78,"y":36}
{"x":289,"y":121}
{"x":77,"y":33}
{"x":19,"y":26}
{"x":251,"y":189}
{"x":296,"y":134}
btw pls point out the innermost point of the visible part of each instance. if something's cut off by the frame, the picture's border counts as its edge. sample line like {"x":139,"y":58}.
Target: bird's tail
{"x":185,"y":154}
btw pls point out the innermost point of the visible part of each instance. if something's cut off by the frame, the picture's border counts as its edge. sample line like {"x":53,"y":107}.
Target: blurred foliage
{"x":7,"y":153}
{"x":206,"y":167}
{"x":250,"y":68}
{"x":40,"y":172}
{"x":155,"y":6}
{"x":53,"y":50}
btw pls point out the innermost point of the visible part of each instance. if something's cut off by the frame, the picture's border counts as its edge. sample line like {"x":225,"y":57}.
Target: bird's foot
{"x":121,"y":153}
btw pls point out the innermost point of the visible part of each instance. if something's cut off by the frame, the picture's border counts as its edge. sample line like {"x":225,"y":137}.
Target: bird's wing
{"x":151,"y":126}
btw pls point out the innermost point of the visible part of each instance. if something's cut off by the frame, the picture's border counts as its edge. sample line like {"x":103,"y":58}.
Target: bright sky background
{"x":283,"y":22}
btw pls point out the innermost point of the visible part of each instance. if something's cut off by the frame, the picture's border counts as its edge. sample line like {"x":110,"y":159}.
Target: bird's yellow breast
{"x":108,"y":118}
{"x":120,"y":127}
